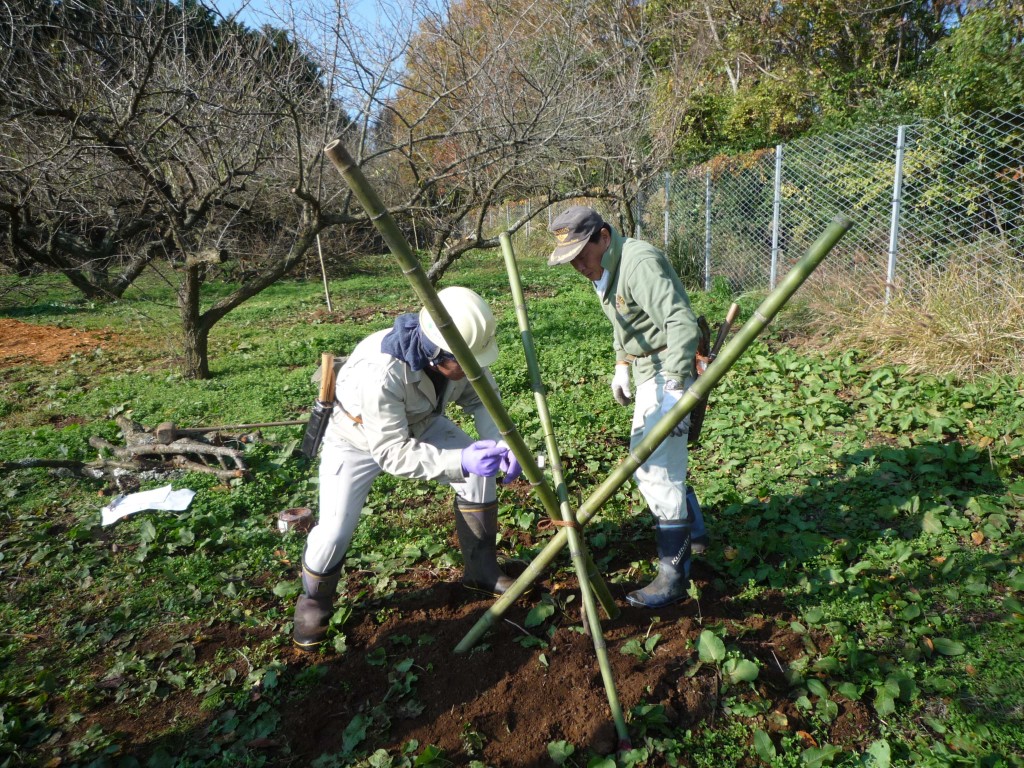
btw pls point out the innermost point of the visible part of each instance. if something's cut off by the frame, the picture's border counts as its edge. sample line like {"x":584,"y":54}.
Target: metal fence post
{"x":776,"y":218}
{"x":707,"y":232}
{"x":894,"y":227}
{"x":668,"y":178}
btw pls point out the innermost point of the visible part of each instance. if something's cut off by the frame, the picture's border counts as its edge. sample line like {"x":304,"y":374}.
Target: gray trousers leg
{"x":346,"y":474}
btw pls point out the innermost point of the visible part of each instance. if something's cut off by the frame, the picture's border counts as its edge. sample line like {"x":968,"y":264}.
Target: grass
{"x":882,"y":505}
{"x":961,"y":320}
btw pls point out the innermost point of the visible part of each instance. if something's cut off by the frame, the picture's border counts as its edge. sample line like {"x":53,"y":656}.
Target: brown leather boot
{"x":477,"y":527}
{"x":314,"y":607}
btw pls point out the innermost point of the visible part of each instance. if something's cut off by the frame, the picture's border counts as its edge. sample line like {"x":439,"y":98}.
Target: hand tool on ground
{"x":321,"y":409}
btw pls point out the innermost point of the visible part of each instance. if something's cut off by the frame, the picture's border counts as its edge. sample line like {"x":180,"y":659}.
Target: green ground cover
{"x":886,"y":509}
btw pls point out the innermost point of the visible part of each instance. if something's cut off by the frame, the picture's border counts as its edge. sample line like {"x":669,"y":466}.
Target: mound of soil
{"x":500,"y":703}
{"x":506,"y":700}
{"x":503,"y":702}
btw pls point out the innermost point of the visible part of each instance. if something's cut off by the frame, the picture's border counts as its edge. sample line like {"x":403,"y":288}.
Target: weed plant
{"x":963,"y":320}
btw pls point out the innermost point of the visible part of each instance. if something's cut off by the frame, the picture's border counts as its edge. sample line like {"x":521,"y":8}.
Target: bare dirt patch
{"x":22,"y":343}
{"x":503,"y":704}
{"x":505,"y":701}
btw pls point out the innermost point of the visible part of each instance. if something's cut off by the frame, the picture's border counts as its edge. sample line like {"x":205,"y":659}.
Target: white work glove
{"x":620,"y":384}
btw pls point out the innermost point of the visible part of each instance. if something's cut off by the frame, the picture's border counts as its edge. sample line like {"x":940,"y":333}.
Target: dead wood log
{"x":143,"y":450}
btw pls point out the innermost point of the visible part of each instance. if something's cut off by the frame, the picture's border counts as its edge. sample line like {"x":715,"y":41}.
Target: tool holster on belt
{"x":701,"y":362}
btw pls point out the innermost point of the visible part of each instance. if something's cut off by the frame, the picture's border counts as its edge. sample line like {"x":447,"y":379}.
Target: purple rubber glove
{"x":483,"y":458}
{"x":509,"y":465}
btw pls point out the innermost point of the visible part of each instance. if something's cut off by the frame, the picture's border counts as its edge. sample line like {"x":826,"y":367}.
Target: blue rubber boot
{"x":673,"y":579}
{"x":699,"y":539}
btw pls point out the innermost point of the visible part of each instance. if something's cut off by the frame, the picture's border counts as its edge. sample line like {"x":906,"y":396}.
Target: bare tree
{"x":462,"y":109}
{"x":144,"y":130}
{"x":64,"y":205}
{"x":170,"y":133}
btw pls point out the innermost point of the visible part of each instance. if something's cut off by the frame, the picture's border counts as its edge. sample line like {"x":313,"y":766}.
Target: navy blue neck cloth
{"x":406,"y":342}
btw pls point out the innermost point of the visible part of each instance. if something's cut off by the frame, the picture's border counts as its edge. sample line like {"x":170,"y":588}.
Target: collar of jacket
{"x":611,"y":260}
{"x":422,"y":381}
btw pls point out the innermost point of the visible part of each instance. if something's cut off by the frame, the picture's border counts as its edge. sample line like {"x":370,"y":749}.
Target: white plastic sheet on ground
{"x":163,"y":499}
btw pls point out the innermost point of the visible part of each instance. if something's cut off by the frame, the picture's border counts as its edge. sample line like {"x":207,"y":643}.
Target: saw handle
{"x":326,"y":378}
{"x":723,"y":329}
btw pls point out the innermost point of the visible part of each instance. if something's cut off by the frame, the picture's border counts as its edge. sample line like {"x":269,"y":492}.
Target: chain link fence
{"x":926,"y":198}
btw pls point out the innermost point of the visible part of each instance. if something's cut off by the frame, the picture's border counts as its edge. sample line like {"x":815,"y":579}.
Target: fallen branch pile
{"x":162,"y":449}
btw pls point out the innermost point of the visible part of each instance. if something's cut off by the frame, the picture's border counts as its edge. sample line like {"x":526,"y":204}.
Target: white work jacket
{"x":382,"y":407}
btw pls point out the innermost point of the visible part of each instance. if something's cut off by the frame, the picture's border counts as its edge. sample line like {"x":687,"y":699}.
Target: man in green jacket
{"x":655,"y":334}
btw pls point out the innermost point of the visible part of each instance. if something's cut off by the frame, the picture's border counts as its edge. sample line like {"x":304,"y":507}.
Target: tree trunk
{"x":197,"y":356}
{"x":81,"y":281}
{"x":196,"y":327}
{"x":195,"y":334}
{"x":626,"y":210}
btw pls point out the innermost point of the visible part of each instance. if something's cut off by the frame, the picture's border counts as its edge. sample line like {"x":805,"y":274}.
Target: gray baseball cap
{"x":573,"y":229}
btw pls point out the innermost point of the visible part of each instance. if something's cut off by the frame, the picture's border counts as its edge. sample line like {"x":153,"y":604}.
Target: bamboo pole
{"x":421,"y":284}
{"x":577,"y":547}
{"x":593,"y":576}
{"x":767,"y":310}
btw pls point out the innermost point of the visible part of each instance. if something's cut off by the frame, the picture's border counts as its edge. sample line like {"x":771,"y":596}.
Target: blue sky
{"x":373,"y":18}
{"x":256,"y":13}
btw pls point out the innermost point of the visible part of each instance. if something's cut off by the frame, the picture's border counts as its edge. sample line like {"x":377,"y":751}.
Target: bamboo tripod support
{"x":421,"y":284}
{"x":767,"y":310}
{"x":592,"y":586}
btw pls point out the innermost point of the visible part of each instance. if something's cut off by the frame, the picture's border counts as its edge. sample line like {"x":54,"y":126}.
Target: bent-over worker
{"x":390,"y":400}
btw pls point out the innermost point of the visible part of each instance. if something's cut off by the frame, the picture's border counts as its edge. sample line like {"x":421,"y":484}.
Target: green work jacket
{"x":649,"y":309}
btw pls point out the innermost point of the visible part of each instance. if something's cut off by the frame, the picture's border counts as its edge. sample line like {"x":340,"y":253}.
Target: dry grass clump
{"x":962,"y":319}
